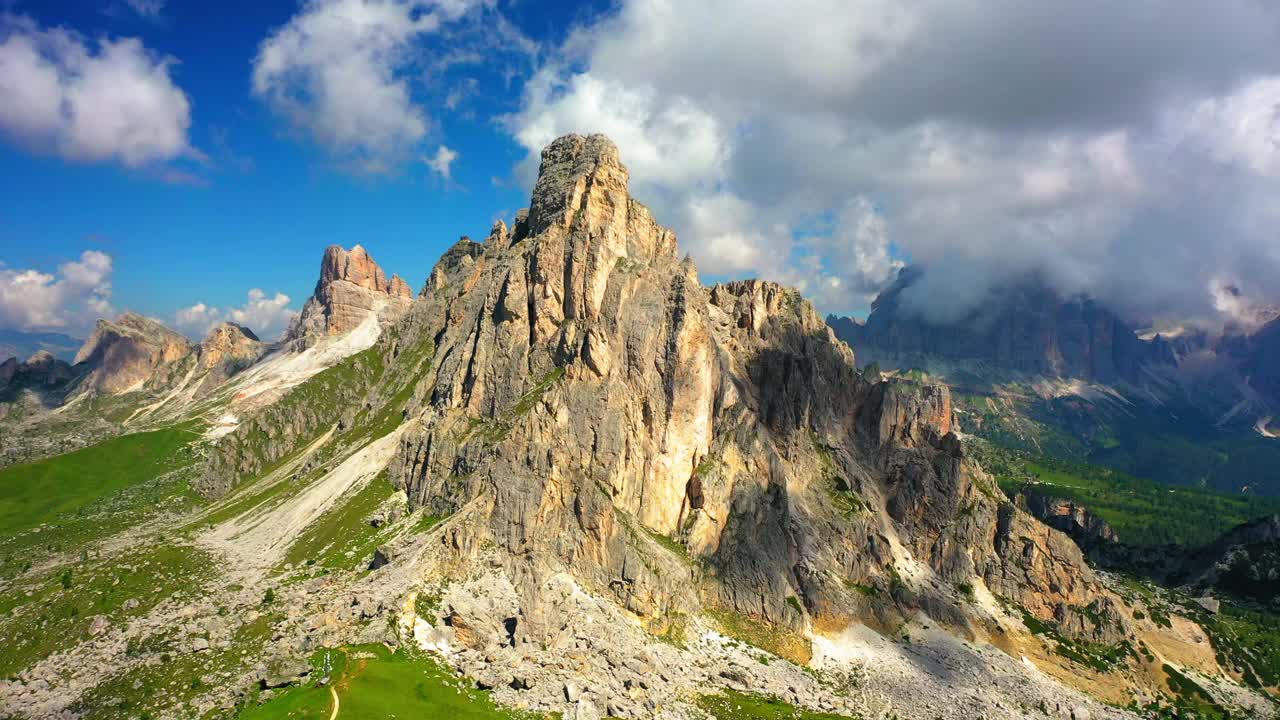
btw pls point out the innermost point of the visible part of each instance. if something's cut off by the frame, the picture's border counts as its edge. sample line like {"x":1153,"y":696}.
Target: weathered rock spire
{"x":351,"y":287}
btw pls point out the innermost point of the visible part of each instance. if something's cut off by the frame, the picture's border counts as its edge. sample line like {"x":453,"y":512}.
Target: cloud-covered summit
{"x":1126,"y":151}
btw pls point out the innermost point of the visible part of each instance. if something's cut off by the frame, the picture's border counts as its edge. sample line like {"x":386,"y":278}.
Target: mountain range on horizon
{"x":22,"y":345}
{"x":1068,"y":377}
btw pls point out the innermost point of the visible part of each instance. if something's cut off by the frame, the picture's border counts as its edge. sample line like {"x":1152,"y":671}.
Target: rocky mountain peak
{"x":352,"y":286}
{"x":571,"y":166}
{"x":582,"y":184}
{"x":229,"y":342}
{"x":123,"y":354}
{"x":577,"y":410}
{"x":41,"y":359}
{"x":357,"y":267}
{"x":587,"y":389}
{"x":42,"y":369}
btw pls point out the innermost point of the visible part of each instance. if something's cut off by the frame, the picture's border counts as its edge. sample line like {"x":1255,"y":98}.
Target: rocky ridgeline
{"x":1243,"y":562}
{"x":138,"y":371}
{"x":595,"y":409}
{"x":40,"y":371}
{"x":1023,"y":327}
{"x":126,"y":353}
{"x":134,"y":353}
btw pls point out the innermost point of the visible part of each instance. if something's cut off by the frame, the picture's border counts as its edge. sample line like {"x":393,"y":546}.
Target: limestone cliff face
{"x":127,"y":353}
{"x":229,"y":343}
{"x":589,"y":394}
{"x":1024,"y":327}
{"x":351,"y":287}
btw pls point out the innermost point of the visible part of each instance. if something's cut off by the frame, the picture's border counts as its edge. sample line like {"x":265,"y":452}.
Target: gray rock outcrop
{"x":42,"y":372}
{"x":1072,"y":518}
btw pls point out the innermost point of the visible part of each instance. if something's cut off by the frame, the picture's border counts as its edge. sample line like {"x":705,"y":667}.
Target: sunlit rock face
{"x":126,"y":353}
{"x":589,"y":394}
{"x":351,"y":287}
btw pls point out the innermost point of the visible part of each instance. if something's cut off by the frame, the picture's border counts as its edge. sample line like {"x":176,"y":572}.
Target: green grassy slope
{"x":34,"y":493}
{"x":57,"y":613}
{"x":1175,"y":445}
{"x":373,"y":682}
{"x":53,"y":515}
{"x":1142,"y":512}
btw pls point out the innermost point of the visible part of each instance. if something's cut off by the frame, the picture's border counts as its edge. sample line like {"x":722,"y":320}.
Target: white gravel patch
{"x":266,"y":381}
{"x":259,"y":538}
{"x":937,"y":675}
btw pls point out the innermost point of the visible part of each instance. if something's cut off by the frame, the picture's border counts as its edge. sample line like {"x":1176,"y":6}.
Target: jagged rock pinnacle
{"x":351,"y":286}
{"x":572,"y":165}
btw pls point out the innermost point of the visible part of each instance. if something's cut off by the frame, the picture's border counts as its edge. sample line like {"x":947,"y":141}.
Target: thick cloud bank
{"x":1129,"y":150}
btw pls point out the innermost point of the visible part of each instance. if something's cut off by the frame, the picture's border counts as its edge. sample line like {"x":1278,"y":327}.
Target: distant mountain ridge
{"x":1067,"y":377}
{"x":1024,"y":327}
{"x":21,"y":345}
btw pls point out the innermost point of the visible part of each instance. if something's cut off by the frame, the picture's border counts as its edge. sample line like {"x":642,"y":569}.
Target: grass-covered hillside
{"x":1175,"y":445}
{"x":1143,"y":512}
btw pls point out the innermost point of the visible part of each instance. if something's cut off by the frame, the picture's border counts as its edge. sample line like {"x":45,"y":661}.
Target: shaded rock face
{"x":1070,"y":517}
{"x":1244,"y":561}
{"x":1025,"y":327}
{"x":127,"y":353}
{"x":589,"y":394}
{"x":1262,"y":363}
{"x":41,"y":371}
{"x":351,"y":287}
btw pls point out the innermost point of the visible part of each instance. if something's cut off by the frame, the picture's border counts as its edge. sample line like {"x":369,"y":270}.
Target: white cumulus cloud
{"x":90,"y":101}
{"x":340,"y":72}
{"x":442,"y":162}
{"x":267,"y":316}
{"x":71,"y":298}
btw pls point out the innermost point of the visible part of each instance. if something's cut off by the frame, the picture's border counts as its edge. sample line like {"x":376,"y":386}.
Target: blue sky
{"x":171,"y":156}
{"x":259,"y":212}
